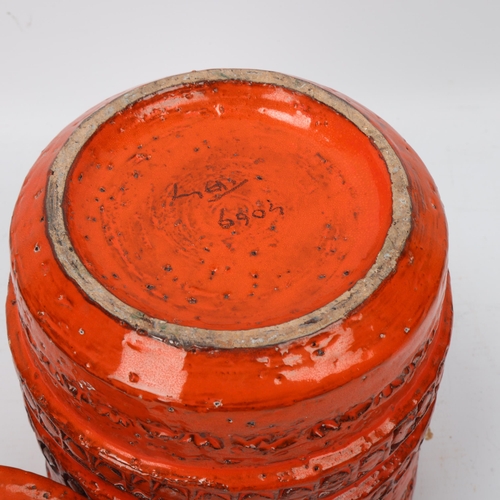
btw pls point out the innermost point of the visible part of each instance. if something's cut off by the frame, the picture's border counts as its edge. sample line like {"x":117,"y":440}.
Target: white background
{"x":431,"y":68}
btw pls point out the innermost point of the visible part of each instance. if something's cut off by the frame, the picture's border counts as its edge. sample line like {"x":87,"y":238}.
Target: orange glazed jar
{"x":231,"y":285}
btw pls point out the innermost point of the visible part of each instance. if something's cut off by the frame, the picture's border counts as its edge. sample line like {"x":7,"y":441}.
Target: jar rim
{"x":176,"y":334}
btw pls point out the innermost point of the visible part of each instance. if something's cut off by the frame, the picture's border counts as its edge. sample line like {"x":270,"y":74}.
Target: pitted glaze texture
{"x":230,"y":284}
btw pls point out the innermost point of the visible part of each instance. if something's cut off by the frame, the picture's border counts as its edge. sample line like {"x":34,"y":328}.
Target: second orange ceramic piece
{"x":16,"y":484}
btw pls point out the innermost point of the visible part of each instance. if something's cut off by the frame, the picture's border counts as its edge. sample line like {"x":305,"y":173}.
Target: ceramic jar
{"x":16,"y":484}
{"x":232,"y":285}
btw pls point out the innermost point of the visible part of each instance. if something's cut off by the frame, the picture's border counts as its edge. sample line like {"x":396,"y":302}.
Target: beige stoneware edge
{"x":257,"y":337}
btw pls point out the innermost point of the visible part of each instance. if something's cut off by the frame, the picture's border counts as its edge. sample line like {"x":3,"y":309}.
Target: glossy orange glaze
{"x":237,"y":205}
{"x":311,"y":447}
{"x":16,"y":484}
{"x":394,"y":479}
{"x":230,"y":420}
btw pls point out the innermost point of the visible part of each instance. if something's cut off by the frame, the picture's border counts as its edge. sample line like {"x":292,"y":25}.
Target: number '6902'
{"x":226,"y":221}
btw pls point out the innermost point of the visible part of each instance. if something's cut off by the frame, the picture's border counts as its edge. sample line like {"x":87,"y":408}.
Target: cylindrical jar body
{"x":230,"y":284}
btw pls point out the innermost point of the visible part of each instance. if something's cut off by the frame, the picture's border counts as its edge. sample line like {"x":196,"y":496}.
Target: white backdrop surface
{"x":430,"y":68}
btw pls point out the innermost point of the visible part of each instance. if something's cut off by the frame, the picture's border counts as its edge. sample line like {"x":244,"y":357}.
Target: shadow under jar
{"x":233,"y":285}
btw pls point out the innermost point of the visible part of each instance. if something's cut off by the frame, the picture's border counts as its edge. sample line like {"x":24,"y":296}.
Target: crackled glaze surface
{"x":230,"y":284}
